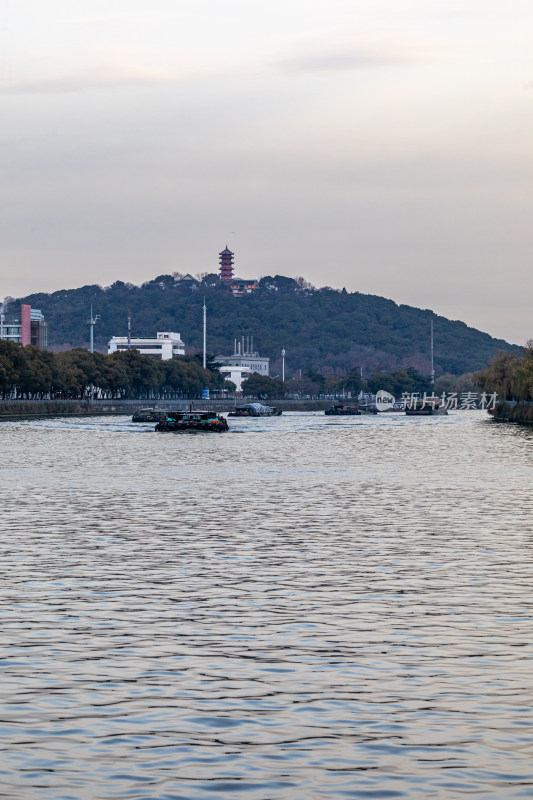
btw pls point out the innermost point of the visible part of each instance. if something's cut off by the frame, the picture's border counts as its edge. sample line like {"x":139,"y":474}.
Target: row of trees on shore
{"x":31,"y":373}
{"x":313,"y":383}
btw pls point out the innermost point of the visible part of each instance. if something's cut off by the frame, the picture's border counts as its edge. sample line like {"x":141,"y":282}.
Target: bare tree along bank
{"x":511,"y":377}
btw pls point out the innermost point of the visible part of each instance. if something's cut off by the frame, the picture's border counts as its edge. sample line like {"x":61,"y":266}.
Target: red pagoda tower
{"x":226,"y":266}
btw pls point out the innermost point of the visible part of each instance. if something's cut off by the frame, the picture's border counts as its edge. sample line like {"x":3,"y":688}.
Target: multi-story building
{"x":38,"y":329}
{"x":28,"y":327}
{"x":243,"y":363}
{"x":166,"y":345}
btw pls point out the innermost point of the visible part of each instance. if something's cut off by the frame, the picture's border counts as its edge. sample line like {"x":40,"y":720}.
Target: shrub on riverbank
{"x":505,"y":412}
{"x":521,"y":413}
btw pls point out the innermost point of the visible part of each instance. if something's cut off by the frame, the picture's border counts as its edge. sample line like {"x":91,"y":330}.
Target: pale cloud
{"x":353,"y":56}
{"x":105,"y":19}
{"x":382,"y":146}
{"x":105,"y":77}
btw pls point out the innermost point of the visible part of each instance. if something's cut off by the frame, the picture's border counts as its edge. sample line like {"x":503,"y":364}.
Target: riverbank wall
{"x":12,"y":409}
{"x":522,"y":413}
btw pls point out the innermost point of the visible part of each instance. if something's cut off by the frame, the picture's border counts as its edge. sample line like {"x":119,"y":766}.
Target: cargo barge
{"x":192,"y":422}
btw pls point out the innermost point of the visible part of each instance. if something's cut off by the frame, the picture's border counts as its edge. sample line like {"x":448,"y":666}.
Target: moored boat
{"x":192,"y":421}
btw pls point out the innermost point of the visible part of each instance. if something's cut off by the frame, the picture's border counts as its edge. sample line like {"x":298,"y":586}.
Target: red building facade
{"x":25,"y":324}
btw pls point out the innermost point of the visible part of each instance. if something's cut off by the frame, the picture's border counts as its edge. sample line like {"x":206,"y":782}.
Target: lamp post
{"x":205,"y":336}
{"x":283,"y":365}
{"x":205,"y":393}
{"x":91,"y":322}
{"x":432,"y":377}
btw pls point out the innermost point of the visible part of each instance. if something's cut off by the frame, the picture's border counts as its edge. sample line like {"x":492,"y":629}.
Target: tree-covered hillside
{"x":326,"y":329}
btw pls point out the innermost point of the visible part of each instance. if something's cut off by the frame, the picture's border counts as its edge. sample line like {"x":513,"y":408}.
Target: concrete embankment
{"x":42,"y":408}
{"x":521,"y":413}
{"x":14,"y":409}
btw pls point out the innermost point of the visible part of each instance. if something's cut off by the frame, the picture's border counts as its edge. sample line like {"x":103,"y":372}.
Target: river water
{"x":303,"y":608}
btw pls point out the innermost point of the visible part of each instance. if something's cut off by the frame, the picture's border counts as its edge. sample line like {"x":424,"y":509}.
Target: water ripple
{"x":313,"y":608}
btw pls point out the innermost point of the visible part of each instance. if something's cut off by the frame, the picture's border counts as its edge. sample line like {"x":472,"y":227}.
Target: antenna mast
{"x":205,"y":334}
{"x":432,"y":364}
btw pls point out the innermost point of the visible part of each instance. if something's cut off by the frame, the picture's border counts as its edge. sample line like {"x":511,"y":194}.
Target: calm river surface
{"x":304,"y":608}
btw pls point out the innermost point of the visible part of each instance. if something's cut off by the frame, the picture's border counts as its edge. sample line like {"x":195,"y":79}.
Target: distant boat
{"x":192,"y":421}
{"x":368,"y":408}
{"x":395,"y":408}
{"x":342,"y":411}
{"x":255,"y":410}
{"x":421,"y":410}
{"x":149,"y":415}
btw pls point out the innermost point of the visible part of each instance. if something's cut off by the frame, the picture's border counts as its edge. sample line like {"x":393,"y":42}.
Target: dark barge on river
{"x":192,"y":422}
{"x":149,"y":415}
{"x":342,"y":411}
{"x":255,"y":410}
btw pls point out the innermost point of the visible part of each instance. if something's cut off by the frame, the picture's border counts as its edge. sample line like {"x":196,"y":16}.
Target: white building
{"x":167,"y":345}
{"x":235,"y":374}
{"x":243,"y":363}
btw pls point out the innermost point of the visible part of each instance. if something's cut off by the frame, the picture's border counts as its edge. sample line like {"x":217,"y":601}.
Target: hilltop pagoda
{"x":226,"y":266}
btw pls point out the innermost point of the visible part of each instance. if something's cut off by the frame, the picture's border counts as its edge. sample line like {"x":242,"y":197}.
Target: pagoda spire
{"x":226,"y":265}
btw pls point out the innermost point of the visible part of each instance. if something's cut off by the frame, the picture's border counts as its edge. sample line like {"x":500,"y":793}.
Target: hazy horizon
{"x":380,"y":147}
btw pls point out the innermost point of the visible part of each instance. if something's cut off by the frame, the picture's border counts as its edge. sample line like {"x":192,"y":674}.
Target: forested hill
{"x":326,"y":329}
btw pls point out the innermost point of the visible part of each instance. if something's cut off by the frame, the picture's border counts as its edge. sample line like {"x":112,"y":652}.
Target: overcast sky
{"x":380,"y":145}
